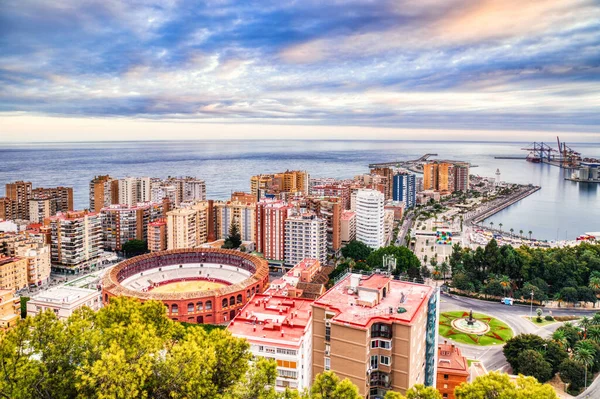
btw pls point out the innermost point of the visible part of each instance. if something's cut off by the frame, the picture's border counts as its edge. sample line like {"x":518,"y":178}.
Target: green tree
{"x":569,"y":294}
{"x":519,"y":344}
{"x":327,"y":385}
{"x":532,"y":363}
{"x":444,"y":269}
{"x":420,"y":391}
{"x":393,"y":395}
{"x":554,"y":354}
{"x":234,"y":239}
{"x":585,"y":357}
{"x":572,"y":373}
{"x":135,"y":248}
{"x":495,"y":385}
{"x":356,"y":250}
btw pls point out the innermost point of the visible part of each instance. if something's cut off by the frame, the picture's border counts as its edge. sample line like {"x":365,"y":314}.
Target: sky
{"x":437,"y":69}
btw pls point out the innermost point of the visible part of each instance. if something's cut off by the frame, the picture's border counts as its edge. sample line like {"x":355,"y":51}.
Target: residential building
{"x":157,"y":235}
{"x":329,"y":209}
{"x":189,"y":227}
{"x":461,"y":176}
{"x":240,"y":196}
{"x":76,"y":239}
{"x":7,"y":209}
{"x":121,"y":223}
{"x":305,"y":237}
{"x":446,"y":176}
{"x":133,"y":190}
{"x":348,"y":227}
{"x":64,"y":300}
{"x":452,"y":369}
{"x":104,"y":191}
{"x":338,"y":190}
{"x":405,"y":189}
{"x":279,"y":328}
{"x":243,"y":214}
{"x":19,"y":194}
{"x":300,"y":281}
{"x":378,"y":332}
{"x":61,"y":196}
{"x":370,"y":228}
{"x":270,"y":228}
{"x":41,"y":208}
{"x":290,"y":181}
{"x":387,"y":174}
{"x":37,"y":256}
{"x":13,"y":273}
{"x":10,"y":309}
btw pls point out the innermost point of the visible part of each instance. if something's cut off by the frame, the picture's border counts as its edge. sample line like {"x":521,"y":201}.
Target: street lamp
{"x":531,"y":308}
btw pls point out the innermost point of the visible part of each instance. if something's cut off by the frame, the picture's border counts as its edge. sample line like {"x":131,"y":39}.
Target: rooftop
{"x":347,"y":215}
{"x":451,"y":360}
{"x":276,"y":318}
{"x":377,"y":296}
{"x":63,"y":294}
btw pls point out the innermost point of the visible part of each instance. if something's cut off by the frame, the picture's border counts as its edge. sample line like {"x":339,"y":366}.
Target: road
{"x":406,"y":225}
{"x":492,"y":356}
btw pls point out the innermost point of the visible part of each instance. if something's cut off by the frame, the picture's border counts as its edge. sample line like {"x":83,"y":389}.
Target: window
{"x":289,"y":352}
{"x":261,"y":348}
{"x":445,"y":376}
{"x":287,"y":364}
{"x":190,"y":307}
{"x":174,"y":309}
{"x":378,"y":343}
{"x":239,"y":298}
{"x":381,"y":330}
{"x":327,"y":333}
{"x":384,"y":360}
{"x":224,"y":303}
{"x":445,"y":386}
{"x":287,"y":373}
{"x":208,"y":305}
{"x":270,"y":350}
{"x":327,"y":363}
{"x":445,"y":395}
{"x":199,"y":306}
{"x":374,"y":363}
{"x":232,"y":301}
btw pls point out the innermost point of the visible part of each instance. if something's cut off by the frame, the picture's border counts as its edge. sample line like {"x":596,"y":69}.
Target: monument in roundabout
{"x":470,"y":325}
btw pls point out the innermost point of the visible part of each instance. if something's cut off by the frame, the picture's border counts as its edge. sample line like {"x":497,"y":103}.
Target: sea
{"x":562,"y":209}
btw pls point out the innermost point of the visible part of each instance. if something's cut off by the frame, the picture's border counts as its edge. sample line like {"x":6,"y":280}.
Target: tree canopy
{"x":234,"y":239}
{"x":135,"y":247}
{"x":498,"y":385}
{"x":356,"y":250}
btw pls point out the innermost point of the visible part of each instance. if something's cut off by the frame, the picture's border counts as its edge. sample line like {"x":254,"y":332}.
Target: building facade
{"x":370,"y":218}
{"x":10,"y":309}
{"x":133,"y":190}
{"x":348,"y":227}
{"x":452,"y":369}
{"x":104,"y":191}
{"x":13,"y":273}
{"x":189,"y":227}
{"x":19,"y":194}
{"x":378,"y":332}
{"x":290,"y":181}
{"x":121,"y":223}
{"x":243,"y":214}
{"x":270,"y":228}
{"x":157,"y":235}
{"x":305,"y":237}
{"x":405,"y":189}
{"x":279,"y":328}
{"x":76,"y":238}
{"x":63,"y":301}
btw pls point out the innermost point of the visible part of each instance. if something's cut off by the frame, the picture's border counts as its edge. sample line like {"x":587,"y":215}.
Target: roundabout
{"x":474,"y":328}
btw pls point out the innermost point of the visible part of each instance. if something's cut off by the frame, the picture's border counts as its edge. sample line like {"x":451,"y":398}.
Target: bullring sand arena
{"x":201,"y":285}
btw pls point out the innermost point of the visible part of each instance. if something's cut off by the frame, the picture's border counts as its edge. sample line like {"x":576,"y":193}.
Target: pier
{"x":504,"y":204}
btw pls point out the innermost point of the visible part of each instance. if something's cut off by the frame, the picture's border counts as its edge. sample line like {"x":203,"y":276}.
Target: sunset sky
{"x":427,"y":69}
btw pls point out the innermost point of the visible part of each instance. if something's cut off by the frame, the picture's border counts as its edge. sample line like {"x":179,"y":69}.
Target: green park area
{"x":493,"y":331}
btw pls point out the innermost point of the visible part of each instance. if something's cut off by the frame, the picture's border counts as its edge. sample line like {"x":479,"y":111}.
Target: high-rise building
{"x":279,"y":328}
{"x":430,"y":176}
{"x":7,"y":209}
{"x":121,"y":223}
{"x":133,"y":190}
{"x":240,"y":213}
{"x":348,"y":227}
{"x":387,"y":174}
{"x":41,"y":208}
{"x":13,"y":273}
{"x":61,"y":196}
{"x":341,"y":191}
{"x":370,"y":218}
{"x":104,"y":191}
{"x":329,"y":209}
{"x":19,"y":193}
{"x":461,"y":176}
{"x":76,"y":239}
{"x":305,"y":237}
{"x":446,"y":177}
{"x":270,"y":228}
{"x":157,"y":235}
{"x":405,"y":189}
{"x":189,"y":227}
{"x":290,"y":181}
{"x":378,"y":332}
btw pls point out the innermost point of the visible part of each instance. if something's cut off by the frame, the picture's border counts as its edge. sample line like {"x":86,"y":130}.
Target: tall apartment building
{"x":243,"y":214}
{"x":104,"y":191}
{"x":157,"y":235}
{"x":290,"y":181}
{"x":446,"y":176}
{"x":378,"y":332}
{"x":40,"y":209}
{"x":387,"y":174}
{"x":178,"y":190}
{"x":33,"y":249}
{"x":279,"y":328}
{"x":62,"y":197}
{"x":121,"y":223}
{"x":430,"y":176}
{"x":348,"y":227}
{"x":189,"y":227}
{"x":19,"y":193}
{"x":13,"y":273}
{"x":461,"y":176}
{"x":133,"y":190}
{"x":7,"y":209}
{"x":370,"y":218}
{"x":305,"y":237}
{"x":405,"y":189}
{"x":270,"y":228}
{"x":329,"y":209}
{"x":340,"y":191}
{"x":76,"y":238}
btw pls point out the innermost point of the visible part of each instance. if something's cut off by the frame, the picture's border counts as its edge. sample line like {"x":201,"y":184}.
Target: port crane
{"x":564,"y":156}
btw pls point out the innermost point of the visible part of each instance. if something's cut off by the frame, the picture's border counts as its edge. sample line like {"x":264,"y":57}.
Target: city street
{"x":492,"y":356}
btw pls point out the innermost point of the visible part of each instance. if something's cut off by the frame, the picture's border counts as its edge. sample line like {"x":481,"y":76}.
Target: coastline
{"x":504,"y":204}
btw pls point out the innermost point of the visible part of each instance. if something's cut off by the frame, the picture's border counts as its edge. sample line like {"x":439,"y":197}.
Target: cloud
{"x":452,"y":64}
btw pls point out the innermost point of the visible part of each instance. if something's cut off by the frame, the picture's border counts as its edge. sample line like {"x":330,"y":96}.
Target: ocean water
{"x":560,"y":209}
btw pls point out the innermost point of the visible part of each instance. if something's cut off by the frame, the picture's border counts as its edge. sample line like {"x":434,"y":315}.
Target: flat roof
{"x":276,"y":318}
{"x":63,"y":295}
{"x":342,"y":300}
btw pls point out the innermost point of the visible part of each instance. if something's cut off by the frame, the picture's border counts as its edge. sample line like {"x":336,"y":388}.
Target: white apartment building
{"x":64,"y":300}
{"x":279,"y":328}
{"x":134,"y":189}
{"x":188,"y":227}
{"x":76,"y":238}
{"x":305,"y":237}
{"x":240,"y":213}
{"x":370,"y":225}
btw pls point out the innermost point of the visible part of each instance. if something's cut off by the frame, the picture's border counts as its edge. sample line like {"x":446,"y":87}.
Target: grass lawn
{"x":499,"y":332}
{"x":543,"y":323}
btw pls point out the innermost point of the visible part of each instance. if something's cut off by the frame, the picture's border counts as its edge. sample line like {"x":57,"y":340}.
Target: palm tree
{"x":491,"y":225}
{"x":512,"y":231}
{"x":593,"y":334}
{"x":596,"y":319}
{"x":595,"y":284}
{"x":584,"y":323}
{"x":505,"y":283}
{"x":521,"y":233}
{"x":444,"y":269}
{"x":351,"y":264}
{"x":500,"y":225}
{"x":560,"y":338}
{"x":530,"y":233}
{"x":584,"y":356}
